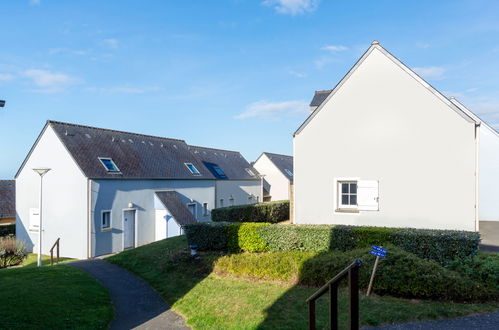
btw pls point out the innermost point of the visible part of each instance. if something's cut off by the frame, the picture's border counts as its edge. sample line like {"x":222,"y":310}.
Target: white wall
{"x":489,"y":175}
{"x":166,"y":224}
{"x":384,"y":125}
{"x":240,"y":190}
{"x":279,"y":183}
{"x":117,"y":194}
{"x":64,"y":199}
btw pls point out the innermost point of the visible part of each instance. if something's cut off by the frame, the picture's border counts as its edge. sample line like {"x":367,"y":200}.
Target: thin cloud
{"x":111,"y":43}
{"x":273,"y":110}
{"x":430,"y":72}
{"x":49,"y":82}
{"x":6,"y":77}
{"x":297,"y":74}
{"x":292,"y":7}
{"x":335,"y":48}
{"x":55,"y":51}
{"x":34,"y":2}
{"x":122,"y":89}
{"x":423,"y":45}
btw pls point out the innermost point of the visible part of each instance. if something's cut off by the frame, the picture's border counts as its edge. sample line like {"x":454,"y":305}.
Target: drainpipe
{"x":89,"y":218}
{"x":477,"y":176}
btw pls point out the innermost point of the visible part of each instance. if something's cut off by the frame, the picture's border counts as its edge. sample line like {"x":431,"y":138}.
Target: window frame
{"x":195,"y":214}
{"x":108,"y":227}
{"x":221,"y":202}
{"x":190,"y":170}
{"x":288,"y":172}
{"x":249,"y":171}
{"x":117,"y":170}
{"x":205,"y":209}
{"x":339,"y":206}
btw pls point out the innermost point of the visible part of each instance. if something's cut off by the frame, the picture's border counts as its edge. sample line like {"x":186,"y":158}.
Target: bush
{"x":8,"y":230}
{"x":272,"y":212}
{"x":245,"y":237}
{"x":483,"y":267}
{"x":442,"y":246}
{"x":207,"y":235}
{"x":12,"y":252}
{"x":292,"y":237}
{"x":400,"y":274}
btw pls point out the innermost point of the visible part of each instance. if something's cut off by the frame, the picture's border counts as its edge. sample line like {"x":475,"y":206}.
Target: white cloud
{"x":34,"y":2}
{"x":334,"y":48}
{"x":273,"y":110}
{"x":122,"y":89}
{"x":111,"y":43}
{"x":430,"y":72}
{"x":423,"y":45}
{"x":297,"y":74}
{"x":292,"y":7}
{"x":54,"y":51}
{"x":6,"y":77}
{"x":50,"y":82}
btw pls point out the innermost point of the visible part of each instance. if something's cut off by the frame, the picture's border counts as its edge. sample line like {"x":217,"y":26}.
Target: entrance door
{"x":129,"y":229}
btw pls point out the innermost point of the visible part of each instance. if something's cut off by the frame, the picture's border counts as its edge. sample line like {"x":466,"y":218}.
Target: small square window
{"x":221,"y":202}
{"x":347,"y":194}
{"x":106,"y":220}
{"x":109,"y":164}
{"x":192,"y":168}
{"x":205,"y":209}
{"x":219,"y":171}
{"x":231,"y":201}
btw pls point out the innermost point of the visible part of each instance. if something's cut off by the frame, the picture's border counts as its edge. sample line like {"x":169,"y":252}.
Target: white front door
{"x":129,"y":229}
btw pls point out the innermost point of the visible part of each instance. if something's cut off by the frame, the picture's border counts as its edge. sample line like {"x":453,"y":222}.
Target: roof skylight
{"x":288,"y":172}
{"x":250,"y":172}
{"x":192,"y":168}
{"x":109,"y":164}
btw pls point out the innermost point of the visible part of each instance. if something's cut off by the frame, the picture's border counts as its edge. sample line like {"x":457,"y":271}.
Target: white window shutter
{"x":368,"y":195}
{"x":34,"y":219}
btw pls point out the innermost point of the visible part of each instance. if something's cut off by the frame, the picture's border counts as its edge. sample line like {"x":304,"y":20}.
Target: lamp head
{"x":41,"y":171}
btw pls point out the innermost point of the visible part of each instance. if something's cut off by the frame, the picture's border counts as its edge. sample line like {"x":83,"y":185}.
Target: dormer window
{"x":192,"y":168}
{"x":250,"y":172}
{"x":288,"y":172}
{"x":109,"y":164}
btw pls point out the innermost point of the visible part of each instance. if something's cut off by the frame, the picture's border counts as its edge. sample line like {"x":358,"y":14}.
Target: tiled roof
{"x":139,"y":156}
{"x":319,"y":97}
{"x":283,"y":163}
{"x":7,"y":199}
{"x":173,"y":203}
{"x":232,"y":163}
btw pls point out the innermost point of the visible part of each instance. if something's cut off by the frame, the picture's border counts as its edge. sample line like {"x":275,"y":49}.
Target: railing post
{"x":353,"y":283}
{"x":311,"y":315}
{"x":333,"y":306}
{"x":58,"y":250}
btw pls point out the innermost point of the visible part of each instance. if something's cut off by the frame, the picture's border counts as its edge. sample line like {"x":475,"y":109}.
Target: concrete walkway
{"x":477,"y":322}
{"x":137,"y":305}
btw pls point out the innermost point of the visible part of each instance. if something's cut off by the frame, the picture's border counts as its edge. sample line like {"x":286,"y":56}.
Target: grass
{"x":57,"y":297}
{"x":211,"y":301}
{"x":32,"y":259}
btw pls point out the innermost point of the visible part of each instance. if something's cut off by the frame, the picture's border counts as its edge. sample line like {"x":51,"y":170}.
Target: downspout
{"x":89,"y":217}
{"x":477,"y":176}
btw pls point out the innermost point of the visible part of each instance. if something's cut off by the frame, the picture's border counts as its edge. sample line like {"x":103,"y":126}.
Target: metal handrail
{"x":56,"y":244}
{"x":352,"y":271}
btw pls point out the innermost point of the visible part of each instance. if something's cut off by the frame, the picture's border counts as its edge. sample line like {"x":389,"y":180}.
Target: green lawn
{"x":211,"y":301}
{"x":57,"y":297}
{"x":31,"y":260}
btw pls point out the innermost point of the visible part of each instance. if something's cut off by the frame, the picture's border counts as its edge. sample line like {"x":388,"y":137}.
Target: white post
{"x":41,"y":172}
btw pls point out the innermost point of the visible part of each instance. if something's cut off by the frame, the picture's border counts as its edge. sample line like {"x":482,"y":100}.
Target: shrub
{"x":292,"y":237}
{"x":272,"y":212}
{"x":442,"y":246}
{"x":7,"y":230}
{"x":245,"y":237}
{"x":483,"y":267}
{"x":207,"y":235}
{"x":12,"y":252}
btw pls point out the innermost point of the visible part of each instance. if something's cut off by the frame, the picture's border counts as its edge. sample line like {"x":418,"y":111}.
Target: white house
{"x":109,"y":190}
{"x":277,"y":171}
{"x":385,"y":148}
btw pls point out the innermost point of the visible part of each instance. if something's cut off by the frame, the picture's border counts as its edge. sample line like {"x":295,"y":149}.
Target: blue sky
{"x":230,"y":74}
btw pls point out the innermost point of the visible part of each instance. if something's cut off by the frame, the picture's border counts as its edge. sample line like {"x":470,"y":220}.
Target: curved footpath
{"x":136,"y":304}
{"x":476,"y":322}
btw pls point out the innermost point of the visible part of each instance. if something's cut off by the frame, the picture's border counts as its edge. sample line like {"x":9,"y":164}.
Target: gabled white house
{"x":109,"y":190}
{"x":277,"y":172}
{"x":385,"y":148}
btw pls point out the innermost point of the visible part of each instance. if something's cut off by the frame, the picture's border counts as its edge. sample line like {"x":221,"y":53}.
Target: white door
{"x":129,"y":229}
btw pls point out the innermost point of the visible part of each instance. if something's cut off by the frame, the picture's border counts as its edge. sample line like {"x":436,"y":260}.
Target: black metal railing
{"x":352,"y":271}
{"x":56,"y":245}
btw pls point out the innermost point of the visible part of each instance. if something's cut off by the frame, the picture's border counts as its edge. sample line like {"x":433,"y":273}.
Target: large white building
{"x":277,"y":173}
{"x":110,"y":190}
{"x":385,"y":148}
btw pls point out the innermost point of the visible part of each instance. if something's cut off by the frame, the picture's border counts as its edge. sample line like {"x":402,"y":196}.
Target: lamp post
{"x":41,"y":172}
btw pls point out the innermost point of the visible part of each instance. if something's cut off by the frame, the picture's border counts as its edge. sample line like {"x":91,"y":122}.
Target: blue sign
{"x":378,"y":251}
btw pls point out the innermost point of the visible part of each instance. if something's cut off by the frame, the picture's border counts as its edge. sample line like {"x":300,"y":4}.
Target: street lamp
{"x":41,"y":172}
{"x":2,"y":103}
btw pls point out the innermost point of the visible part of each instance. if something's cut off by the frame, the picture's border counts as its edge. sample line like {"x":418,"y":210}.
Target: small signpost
{"x":379,"y":252}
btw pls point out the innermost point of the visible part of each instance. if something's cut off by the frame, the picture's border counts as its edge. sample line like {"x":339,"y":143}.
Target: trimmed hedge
{"x":272,"y":212}
{"x":207,"y":235}
{"x":8,"y":230}
{"x":400,"y":274}
{"x":441,"y":246}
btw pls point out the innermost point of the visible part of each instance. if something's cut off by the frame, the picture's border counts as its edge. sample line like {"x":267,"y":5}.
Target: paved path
{"x":137,"y":305}
{"x":477,"y":322}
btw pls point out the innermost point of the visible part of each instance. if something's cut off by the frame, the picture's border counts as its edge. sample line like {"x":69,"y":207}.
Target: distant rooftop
{"x":7,"y":199}
{"x":319,"y":97}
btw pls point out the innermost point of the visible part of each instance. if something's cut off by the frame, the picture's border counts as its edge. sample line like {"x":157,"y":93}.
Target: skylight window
{"x":109,"y":164}
{"x":219,"y":171}
{"x":192,"y":168}
{"x":250,"y":172}
{"x":288,"y":172}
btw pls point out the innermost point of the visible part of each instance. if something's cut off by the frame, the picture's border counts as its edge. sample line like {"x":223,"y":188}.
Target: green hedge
{"x":442,"y":246}
{"x":207,"y":235}
{"x":272,"y":212}
{"x":8,"y":230}
{"x":400,"y":274}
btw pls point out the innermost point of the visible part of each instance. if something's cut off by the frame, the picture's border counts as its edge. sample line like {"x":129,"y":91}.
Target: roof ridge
{"x":237,"y":152}
{"x":5,"y":180}
{"x":273,"y":153}
{"x":114,"y":131}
